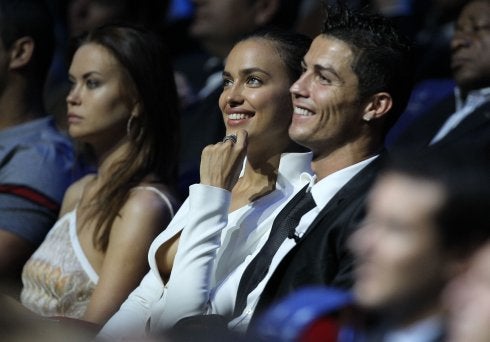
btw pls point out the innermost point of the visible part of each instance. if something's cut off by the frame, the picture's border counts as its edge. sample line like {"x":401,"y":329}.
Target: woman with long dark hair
{"x":123,"y":104}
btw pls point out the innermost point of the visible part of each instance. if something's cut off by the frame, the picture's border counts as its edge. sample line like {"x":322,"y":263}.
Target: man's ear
{"x":265,"y":11}
{"x":378,"y":105}
{"x":21,"y":52}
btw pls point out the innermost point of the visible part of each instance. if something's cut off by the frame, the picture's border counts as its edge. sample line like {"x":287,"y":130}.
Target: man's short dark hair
{"x":29,"y":18}
{"x":383,"y":60}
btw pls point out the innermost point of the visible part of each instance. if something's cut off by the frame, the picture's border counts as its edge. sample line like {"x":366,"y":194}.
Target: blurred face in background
{"x":84,"y":15}
{"x":218,"y":24}
{"x":399,"y":262}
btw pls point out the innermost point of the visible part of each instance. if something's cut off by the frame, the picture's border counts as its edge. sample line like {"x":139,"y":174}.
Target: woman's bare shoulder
{"x":74,"y":193}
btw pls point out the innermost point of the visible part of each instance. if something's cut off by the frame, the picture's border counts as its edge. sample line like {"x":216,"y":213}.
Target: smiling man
{"x":355,"y":83}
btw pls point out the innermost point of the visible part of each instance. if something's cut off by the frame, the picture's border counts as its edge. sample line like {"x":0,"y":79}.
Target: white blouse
{"x":212,"y":244}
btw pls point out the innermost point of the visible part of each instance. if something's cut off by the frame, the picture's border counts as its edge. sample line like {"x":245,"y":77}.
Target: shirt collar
{"x":426,"y":330}
{"x":474,"y":97}
{"x":325,"y":189}
{"x":292,"y":165}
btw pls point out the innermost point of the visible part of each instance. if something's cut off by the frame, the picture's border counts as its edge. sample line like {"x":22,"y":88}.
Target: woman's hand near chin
{"x":221,"y":163}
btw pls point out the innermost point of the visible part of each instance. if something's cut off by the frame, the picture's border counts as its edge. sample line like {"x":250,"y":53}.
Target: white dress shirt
{"x":212,"y":244}
{"x":322,"y":192}
{"x":427,"y":330}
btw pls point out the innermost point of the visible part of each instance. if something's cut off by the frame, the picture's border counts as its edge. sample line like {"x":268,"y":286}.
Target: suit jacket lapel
{"x":479,"y":118}
{"x":354,"y":187}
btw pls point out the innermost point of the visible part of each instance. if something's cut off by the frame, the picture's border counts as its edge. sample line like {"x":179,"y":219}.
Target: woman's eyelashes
{"x":252,"y":80}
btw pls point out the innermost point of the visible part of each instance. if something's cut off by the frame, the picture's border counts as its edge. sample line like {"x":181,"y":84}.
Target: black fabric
{"x":473,"y":133}
{"x":201,"y":328}
{"x":322,"y":257}
{"x":284,"y":225}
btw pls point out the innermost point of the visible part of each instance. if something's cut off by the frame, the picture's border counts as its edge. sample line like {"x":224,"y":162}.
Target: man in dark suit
{"x":356,"y":82}
{"x":462,"y":119}
{"x":426,"y":215}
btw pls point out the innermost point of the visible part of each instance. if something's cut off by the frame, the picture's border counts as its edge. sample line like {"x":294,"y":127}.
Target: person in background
{"x":226,"y":217}
{"x":462,"y":118}
{"x":85,"y":15}
{"x":122,"y":103}
{"x":426,"y":215}
{"x":37,"y":161}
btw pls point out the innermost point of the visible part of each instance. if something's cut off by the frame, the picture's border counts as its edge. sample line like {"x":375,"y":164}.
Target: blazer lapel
{"x":354,"y":187}
{"x":479,"y":118}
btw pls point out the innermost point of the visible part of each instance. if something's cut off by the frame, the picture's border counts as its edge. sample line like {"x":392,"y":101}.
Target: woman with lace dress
{"x":123,"y":105}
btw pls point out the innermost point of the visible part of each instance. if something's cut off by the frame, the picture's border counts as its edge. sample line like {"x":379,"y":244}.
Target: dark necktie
{"x":284,"y":226}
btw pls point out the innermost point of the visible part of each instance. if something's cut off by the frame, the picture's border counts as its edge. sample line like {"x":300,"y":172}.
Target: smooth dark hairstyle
{"x":154,"y":135}
{"x":463,"y":220}
{"x":383,"y":57}
{"x":29,"y":18}
{"x":290,"y":46}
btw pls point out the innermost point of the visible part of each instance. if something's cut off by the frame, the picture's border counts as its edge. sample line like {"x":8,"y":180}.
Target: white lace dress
{"x":58,"y":279}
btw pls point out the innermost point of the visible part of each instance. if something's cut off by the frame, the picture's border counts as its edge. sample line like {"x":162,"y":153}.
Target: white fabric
{"x":426,"y":330}
{"x":58,"y":279}
{"x":463,"y":108}
{"x":322,"y":192}
{"x":208,"y":230}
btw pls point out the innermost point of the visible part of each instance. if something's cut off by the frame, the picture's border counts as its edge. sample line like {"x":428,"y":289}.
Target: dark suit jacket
{"x":321,"y":256}
{"x":472,"y":133}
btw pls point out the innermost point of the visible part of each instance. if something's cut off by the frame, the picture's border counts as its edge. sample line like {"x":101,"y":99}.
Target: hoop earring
{"x":128,"y":125}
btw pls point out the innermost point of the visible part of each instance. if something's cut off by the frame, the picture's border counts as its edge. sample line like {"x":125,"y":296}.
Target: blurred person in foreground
{"x":467,"y":299}
{"x":427,"y":214}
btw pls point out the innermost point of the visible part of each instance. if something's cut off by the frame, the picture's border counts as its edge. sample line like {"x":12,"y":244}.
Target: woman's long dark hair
{"x":154,"y":135}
